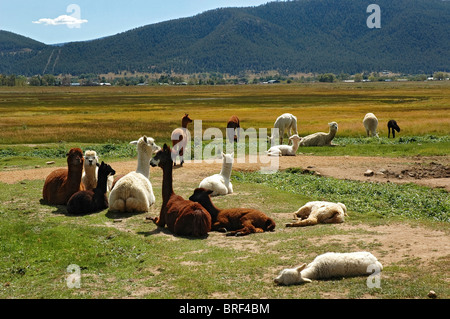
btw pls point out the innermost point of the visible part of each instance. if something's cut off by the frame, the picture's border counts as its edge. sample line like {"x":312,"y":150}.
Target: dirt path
{"x":426,"y":171}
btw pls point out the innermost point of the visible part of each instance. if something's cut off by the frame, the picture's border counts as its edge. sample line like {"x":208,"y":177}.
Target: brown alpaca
{"x":238,"y":221}
{"x":233,"y":126}
{"x":92,"y":200}
{"x":182,"y":217}
{"x":64,"y":182}
{"x":180,"y":138}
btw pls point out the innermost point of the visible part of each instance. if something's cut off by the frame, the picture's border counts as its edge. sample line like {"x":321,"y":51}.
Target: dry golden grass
{"x":100,"y":114}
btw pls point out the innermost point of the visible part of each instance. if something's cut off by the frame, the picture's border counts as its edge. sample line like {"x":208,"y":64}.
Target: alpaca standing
{"x":133,"y":192}
{"x":180,"y":137}
{"x":220,"y":183}
{"x":317,"y":212}
{"x":285,"y":150}
{"x":237,"y":221}
{"x":94,"y":200}
{"x":182,"y":217}
{"x":370,"y":123}
{"x":331,"y":265}
{"x":284,"y":123}
{"x":64,"y":182}
{"x":392,"y":125}
{"x":320,"y":138}
{"x":233,"y":126}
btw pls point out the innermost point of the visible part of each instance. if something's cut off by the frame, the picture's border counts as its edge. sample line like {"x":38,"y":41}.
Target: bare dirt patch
{"x":426,"y":171}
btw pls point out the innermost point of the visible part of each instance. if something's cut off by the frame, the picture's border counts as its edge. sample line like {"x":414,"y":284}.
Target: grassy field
{"x":128,"y":257}
{"x":112,"y":114}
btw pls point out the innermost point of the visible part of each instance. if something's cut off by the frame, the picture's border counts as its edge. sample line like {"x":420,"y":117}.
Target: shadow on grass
{"x":111,"y":214}
{"x":60,"y":209}
{"x":164,"y":230}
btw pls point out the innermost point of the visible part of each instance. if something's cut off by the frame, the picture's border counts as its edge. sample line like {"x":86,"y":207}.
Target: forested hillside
{"x":297,"y":36}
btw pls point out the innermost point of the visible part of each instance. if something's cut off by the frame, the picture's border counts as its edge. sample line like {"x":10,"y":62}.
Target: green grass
{"x":135,"y":259}
{"x":377,"y":200}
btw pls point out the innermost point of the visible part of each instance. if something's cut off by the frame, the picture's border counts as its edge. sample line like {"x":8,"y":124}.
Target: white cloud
{"x":61,"y":20}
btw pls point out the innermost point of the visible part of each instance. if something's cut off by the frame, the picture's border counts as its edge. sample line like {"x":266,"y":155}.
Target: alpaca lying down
{"x":331,"y":265}
{"x":319,"y":212}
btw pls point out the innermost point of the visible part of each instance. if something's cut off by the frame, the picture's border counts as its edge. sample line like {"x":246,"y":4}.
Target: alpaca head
{"x":344,"y":208}
{"x":291,"y":276}
{"x":228,"y":158}
{"x":90,"y":159}
{"x":75,"y":158}
{"x":333,"y":126}
{"x":105,"y":170}
{"x":162,"y":158}
{"x":185,"y":120}
{"x":202,"y":196}
{"x":146,"y":145}
{"x":295,"y":138}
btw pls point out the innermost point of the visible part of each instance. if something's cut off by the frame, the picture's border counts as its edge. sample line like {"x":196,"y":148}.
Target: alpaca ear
{"x":232,"y":154}
{"x":209,"y":191}
{"x":165,"y":147}
{"x":97,"y":164}
{"x":301,"y":267}
{"x":145,"y":139}
{"x":134,"y":142}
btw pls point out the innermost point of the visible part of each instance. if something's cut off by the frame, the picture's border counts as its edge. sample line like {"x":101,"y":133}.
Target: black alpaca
{"x":392,"y":124}
{"x":90,"y":201}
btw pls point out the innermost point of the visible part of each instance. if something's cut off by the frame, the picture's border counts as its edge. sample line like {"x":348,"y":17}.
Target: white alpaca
{"x":331,"y":265}
{"x":133,"y":192}
{"x":89,"y":177}
{"x":317,"y":212}
{"x":90,"y":173}
{"x":370,"y":123}
{"x":285,"y":150}
{"x":320,"y":138}
{"x":220,"y":183}
{"x":284,"y":123}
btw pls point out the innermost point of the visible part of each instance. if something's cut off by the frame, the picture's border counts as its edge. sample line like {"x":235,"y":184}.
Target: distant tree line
{"x":214,"y":78}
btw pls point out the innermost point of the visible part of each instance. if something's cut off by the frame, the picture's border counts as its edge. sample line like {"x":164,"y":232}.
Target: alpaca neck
{"x":226,"y":170}
{"x":331,"y":135}
{"x":295,"y":145}
{"x":309,"y":272}
{"x":143,"y":165}
{"x":167,"y":184}
{"x":101,"y":182}
{"x":75,"y":173}
{"x":212,"y":210}
{"x":184,"y":124}
{"x":90,"y":169}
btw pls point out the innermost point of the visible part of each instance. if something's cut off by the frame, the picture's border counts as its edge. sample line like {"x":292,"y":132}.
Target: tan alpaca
{"x":318,"y":212}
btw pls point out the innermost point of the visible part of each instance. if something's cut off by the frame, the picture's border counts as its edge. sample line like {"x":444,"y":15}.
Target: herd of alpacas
{"x":87,"y":186}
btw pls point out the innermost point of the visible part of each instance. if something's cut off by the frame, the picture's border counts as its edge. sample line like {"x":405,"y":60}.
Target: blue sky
{"x":57,"y":21}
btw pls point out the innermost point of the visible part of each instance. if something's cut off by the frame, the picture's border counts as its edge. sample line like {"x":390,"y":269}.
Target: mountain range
{"x":297,"y":36}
